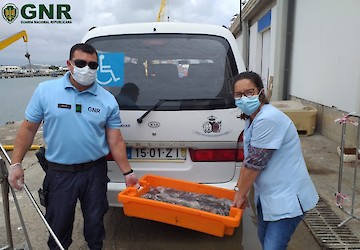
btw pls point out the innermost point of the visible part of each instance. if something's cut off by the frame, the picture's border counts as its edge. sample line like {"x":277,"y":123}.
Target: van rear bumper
{"x":112,"y":194}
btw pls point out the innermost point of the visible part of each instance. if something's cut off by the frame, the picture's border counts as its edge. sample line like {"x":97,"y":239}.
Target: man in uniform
{"x":81,"y":124}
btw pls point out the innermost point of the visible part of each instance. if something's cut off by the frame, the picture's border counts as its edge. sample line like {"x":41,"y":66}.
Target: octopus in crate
{"x":204,"y":202}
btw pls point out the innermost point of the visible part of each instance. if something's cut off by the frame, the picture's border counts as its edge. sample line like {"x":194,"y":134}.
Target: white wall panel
{"x":326,"y":53}
{"x":255,"y":49}
{"x":272,"y":40}
{"x":265,"y":57}
{"x":240,"y":44}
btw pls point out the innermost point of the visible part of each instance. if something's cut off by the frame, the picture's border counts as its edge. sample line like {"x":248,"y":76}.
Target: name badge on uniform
{"x":64,"y":106}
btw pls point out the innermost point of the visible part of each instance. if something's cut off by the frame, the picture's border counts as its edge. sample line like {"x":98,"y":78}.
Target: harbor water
{"x":15,"y":94}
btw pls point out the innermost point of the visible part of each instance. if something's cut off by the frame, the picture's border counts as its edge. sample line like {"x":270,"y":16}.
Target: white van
{"x":176,"y":102}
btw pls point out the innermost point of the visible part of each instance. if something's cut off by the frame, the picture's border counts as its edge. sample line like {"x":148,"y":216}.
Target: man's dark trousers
{"x":65,"y":188}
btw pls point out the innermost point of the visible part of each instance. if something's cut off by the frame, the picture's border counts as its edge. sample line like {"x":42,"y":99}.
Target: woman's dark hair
{"x":84,"y":47}
{"x":256,"y":79}
{"x":252,"y":76}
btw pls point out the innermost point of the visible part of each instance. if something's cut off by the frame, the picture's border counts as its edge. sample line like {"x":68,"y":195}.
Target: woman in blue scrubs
{"x":273,"y":164}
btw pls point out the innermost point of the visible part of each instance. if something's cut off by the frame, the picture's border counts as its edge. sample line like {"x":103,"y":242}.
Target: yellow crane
{"x":161,"y":12}
{"x":13,"y":38}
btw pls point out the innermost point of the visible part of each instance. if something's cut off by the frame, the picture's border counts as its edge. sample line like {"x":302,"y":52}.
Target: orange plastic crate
{"x":177,"y":215}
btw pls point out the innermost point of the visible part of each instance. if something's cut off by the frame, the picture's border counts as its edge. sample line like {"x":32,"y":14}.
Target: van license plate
{"x":157,"y":153}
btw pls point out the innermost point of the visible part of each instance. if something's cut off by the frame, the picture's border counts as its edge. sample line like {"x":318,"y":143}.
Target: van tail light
{"x":109,"y":157}
{"x":212,"y":155}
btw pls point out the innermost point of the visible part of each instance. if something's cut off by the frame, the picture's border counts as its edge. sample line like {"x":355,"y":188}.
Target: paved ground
{"x":131,"y":233}
{"x":323,"y":163}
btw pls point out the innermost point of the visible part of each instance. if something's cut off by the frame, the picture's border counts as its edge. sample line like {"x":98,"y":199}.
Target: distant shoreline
{"x":19,"y":75}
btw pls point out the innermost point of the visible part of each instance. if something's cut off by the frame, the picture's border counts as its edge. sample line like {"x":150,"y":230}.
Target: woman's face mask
{"x":84,"y":76}
{"x":248,"y":105}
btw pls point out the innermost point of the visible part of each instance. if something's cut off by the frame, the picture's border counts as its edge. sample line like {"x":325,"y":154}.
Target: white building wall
{"x":265,"y":56}
{"x":255,"y":45}
{"x":239,"y":43}
{"x":326,"y":53}
{"x":272,"y":41}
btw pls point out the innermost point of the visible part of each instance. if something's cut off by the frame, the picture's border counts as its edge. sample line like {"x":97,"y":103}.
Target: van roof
{"x":158,"y":27}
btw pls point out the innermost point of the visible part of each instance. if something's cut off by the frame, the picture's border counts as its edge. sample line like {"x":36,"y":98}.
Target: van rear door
{"x":183,"y":82}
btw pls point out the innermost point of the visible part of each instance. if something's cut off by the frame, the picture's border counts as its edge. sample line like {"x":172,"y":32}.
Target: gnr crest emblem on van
{"x":154,"y":124}
{"x":212,"y":125}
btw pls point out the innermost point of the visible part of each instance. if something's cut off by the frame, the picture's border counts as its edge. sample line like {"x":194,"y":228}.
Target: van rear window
{"x":191,"y":71}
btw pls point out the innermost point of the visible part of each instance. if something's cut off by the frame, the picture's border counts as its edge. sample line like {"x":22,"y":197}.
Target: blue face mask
{"x":248,"y":105}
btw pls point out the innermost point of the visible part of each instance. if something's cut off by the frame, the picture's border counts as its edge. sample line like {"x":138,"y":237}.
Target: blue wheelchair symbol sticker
{"x":111,"y":69}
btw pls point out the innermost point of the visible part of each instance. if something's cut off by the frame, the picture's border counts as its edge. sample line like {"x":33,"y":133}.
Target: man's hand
{"x":16,"y":176}
{"x":131,"y":180}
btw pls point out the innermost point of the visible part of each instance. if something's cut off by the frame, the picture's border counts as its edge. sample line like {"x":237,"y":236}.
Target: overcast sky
{"x":50,"y":43}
